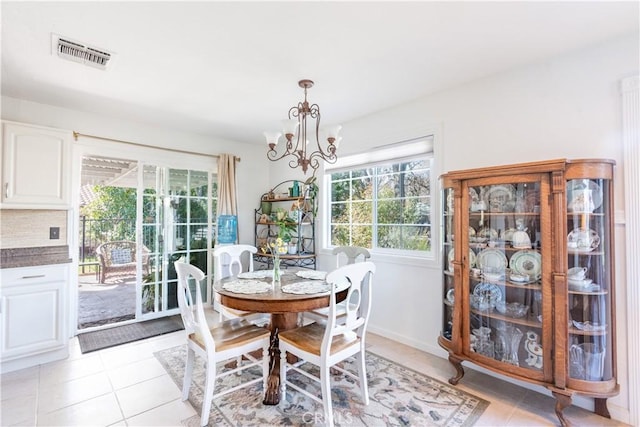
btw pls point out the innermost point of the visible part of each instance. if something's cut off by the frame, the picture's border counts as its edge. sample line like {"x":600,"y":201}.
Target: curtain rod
{"x":77,"y":134}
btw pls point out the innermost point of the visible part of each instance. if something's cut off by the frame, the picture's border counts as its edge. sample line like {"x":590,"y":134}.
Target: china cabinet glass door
{"x":589,"y":273}
{"x":504,"y":272}
{"x":448,"y":270}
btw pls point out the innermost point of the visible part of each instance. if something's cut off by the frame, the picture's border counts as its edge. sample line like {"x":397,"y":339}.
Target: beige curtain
{"x":227,"y":192}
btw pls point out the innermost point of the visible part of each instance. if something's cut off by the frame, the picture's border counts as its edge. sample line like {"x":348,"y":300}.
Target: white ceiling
{"x":230,"y":69}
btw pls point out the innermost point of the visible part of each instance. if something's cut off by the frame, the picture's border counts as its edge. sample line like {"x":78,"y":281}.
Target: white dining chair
{"x":228,"y":262}
{"x":232,"y":339}
{"x":327,"y":345}
{"x":352,"y":255}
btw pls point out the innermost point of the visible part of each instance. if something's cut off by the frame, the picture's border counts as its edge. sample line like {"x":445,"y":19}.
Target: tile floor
{"x":127,"y":386}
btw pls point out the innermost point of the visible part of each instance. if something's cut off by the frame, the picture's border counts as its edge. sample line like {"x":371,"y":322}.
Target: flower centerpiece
{"x":280,"y":245}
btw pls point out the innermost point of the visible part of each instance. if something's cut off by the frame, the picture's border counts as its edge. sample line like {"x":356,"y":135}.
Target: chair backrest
{"x":193,"y":317}
{"x":357,"y":303}
{"x":121,"y":252}
{"x":231,"y":255}
{"x":351,"y":252}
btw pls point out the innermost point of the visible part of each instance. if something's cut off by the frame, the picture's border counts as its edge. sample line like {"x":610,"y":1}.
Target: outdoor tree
{"x":113,"y":210}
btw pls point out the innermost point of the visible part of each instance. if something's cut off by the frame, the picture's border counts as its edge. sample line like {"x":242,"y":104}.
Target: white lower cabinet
{"x":33,"y":319}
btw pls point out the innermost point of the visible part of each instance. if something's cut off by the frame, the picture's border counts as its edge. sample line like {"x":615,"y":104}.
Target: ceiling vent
{"x":78,"y":52}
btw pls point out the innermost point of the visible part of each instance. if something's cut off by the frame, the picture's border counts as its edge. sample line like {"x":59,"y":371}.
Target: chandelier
{"x":295,"y":128}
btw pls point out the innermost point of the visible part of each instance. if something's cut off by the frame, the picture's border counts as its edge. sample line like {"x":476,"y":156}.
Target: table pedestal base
{"x":279,"y":322}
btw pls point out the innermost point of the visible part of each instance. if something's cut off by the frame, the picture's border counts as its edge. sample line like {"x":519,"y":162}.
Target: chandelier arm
{"x":314,"y":112}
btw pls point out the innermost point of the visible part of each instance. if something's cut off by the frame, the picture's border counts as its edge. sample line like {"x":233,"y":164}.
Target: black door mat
{"x":105,"y":338}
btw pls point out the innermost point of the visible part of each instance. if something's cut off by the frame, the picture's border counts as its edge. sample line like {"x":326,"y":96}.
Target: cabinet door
{"x":34,"y":167}
{"x":32,"y":319}
{"x":505,"y":238}
{"x":590,"y":283}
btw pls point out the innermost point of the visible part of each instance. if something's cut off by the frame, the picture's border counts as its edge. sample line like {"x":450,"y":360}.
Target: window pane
{"x":361,"y":236}
{"x":417,"y":183}
{"x":340,"y":191}
{"x":362,"y":189}
{"x":340,"y":235}
{"x":198,"y":210}
{"x":340,"y":175}
{"x":362,"y":212}
{"x":178,"y":181}
{"x":404,"y":237}
{"x":340,"y":212}
{"x":198,"y":183}
{"x":389,"y":211}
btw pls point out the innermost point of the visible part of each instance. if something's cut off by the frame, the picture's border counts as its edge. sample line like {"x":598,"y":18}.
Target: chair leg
{"x":188,"y":373}
{"x":283,"y":377}
{"x":207,"y":398}
{"x":325,"y":383}
{"x":362,"y":372}
{"x":265,"y":366}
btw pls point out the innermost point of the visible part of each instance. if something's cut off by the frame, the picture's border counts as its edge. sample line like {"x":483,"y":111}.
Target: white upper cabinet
{"x":35,"y":167}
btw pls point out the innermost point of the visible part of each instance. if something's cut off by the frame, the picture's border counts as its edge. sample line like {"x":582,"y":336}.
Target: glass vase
{"x":276,"y":269}
{"x":511,"y":337}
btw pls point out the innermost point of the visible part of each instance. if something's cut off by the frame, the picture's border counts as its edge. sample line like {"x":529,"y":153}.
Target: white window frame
{"x":415,"y":148}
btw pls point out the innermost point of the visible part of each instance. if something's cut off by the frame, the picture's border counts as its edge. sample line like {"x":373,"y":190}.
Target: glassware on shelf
{"x":586,"y":361}
{"x":483,"y":344}
{"x":510,"y":337}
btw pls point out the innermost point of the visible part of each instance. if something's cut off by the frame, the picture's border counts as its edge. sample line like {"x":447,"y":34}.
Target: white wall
{"x":568,"y":107}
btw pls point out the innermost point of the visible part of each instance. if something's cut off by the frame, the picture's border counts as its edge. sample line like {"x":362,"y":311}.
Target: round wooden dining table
{"x":284,"y":309}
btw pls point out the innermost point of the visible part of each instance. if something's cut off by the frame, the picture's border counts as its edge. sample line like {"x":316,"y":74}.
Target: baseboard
{"x":36,"y":359}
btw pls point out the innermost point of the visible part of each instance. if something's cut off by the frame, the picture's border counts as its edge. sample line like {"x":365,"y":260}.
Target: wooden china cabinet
{"x":529,"y":275}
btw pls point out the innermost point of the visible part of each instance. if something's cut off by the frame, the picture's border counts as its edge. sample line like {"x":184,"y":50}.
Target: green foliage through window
{"x":384,"y":206}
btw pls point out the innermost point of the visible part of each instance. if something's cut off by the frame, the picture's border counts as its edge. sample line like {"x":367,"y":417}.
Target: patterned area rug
{"x":398,"y":397}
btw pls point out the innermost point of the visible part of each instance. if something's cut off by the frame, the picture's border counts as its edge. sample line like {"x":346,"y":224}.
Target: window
{"x":384,"y":205}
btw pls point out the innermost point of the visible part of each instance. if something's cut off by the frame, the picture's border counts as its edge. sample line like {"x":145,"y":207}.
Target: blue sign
{"x":227,"y":228}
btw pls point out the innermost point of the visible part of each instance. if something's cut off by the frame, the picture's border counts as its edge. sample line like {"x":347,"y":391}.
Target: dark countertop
{"x":27,"y":257}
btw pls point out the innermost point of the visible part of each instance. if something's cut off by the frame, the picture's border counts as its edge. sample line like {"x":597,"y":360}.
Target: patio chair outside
{"x":120,"y":257}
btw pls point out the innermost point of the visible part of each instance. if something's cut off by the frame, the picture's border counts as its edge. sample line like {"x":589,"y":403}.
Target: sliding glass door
{"x":176,"y":223}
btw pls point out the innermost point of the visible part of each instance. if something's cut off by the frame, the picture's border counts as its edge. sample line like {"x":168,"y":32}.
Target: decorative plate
{"x":583,"y":240}
{"x":450,"y":296}
{"x":490,"y":289}
{"x":576,"y":191}
{"x":451,"y":257}
{"x":312,"y":274}
{"x":493,"y":258}
{"x":500,"y":198}
{"x":526,"y":262}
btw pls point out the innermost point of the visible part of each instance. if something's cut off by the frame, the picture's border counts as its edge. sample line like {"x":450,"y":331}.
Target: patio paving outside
{"x":105,"y":303}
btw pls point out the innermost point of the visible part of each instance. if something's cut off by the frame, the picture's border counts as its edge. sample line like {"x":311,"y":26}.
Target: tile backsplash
{"x":25,"y":228}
